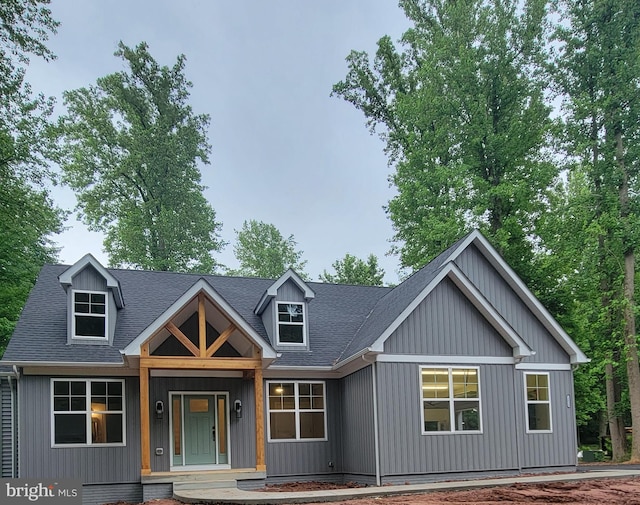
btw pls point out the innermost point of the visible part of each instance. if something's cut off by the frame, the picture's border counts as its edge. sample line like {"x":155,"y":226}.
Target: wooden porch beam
{"x":184,"y":340}
{"x":193,"y":363}
{"x":222,"y":338}
{"x":202,"y":326}
{"x":145,"y":444}
{"x":259,"y":394}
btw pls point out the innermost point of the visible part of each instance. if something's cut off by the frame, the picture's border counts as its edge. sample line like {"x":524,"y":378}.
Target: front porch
{"x":197,"y":367}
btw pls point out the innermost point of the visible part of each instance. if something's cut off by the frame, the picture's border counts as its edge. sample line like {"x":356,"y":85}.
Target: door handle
{"x":213,"y":433}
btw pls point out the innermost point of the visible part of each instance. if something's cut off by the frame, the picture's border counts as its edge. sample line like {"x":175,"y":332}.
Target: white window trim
{"x":527,"y":402}
{"x":74,"y":313}
{"x":87,"y":413}
{"x":451,"y":401}
{"x":303,"y":324}
{"x":297,"y":411}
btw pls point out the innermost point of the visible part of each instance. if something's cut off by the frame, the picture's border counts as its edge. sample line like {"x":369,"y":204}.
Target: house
{"x":136,"y":382}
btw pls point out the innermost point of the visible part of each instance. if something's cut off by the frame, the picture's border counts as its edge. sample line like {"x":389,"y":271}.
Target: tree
{"x":262,"y":251}
{"x":598,"y":70}
{"x":462,"y":111}
{"x":129,"y":147}
{"x":352,"y":270}
{"x":28,"y":216}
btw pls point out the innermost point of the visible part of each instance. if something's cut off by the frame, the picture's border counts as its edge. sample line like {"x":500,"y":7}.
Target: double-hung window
{"x":87,"y":412}
{"x":297,"y":411}
{"x":450,"y":399}
{"x":538,"y":401}
{"x":89,"y":314}
{"x":291,"y":325}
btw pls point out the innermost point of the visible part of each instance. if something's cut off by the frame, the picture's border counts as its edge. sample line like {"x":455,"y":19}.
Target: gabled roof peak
{"x":66,"y":277}
{"x":272,"y":291}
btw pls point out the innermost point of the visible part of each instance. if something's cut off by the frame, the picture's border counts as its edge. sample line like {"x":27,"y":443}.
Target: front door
{"x":199,"y":430}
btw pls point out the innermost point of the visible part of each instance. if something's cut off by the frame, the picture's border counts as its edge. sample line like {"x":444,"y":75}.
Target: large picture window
{"x":87,"y":411}
{"x":89,"y":314}
{"x":290,"y":323}
{"x":450,"y":399}
{"x":296,"y":411}
{"x":538,"y":402}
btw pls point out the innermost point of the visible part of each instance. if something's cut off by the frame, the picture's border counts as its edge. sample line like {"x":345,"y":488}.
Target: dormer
{"x":284,"y":312}
{"x":93,"y":300}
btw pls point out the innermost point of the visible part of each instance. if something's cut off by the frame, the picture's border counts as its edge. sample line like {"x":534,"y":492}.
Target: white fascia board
{"x":534,"y":305}
{"x":272,"y":291}
{"x":520,"y":348}
{"x":67,"y":276}
{"x":73,"y":364}
{"x":133,"y":349}
{"x":544,"y":366}
{"x":445,"y":360}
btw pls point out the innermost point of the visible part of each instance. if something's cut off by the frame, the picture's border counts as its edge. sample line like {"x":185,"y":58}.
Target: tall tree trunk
{"x":630,"y":340}
{"x":616,"y":425}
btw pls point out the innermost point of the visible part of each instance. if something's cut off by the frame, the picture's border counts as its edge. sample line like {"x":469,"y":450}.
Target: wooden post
{"x":257,"y":381}
{"x":145,"y":444}
{"x":202,"y":326}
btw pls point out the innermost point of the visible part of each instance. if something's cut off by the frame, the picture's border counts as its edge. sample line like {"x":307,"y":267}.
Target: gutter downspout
{"x":519,"y":425}
{"x":376,"y":432}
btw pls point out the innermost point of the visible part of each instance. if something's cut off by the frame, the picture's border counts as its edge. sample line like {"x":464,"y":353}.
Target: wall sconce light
{"x":237,"y":406}
{"x":159,"y":409}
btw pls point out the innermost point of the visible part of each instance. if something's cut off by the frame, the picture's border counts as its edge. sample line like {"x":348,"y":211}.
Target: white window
{"x":450,"y":400}
{"x":291,"y":327}
{"x":90,"y":314}
{"x":538,"y":402}
{"x":296,"y":411}
{"x":87,"y":412}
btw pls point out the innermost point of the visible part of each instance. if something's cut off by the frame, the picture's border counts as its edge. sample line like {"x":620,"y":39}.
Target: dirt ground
{"x":589,"y":492}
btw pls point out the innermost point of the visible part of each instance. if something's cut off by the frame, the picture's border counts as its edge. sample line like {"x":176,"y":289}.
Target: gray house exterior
{"x":137,"y":382}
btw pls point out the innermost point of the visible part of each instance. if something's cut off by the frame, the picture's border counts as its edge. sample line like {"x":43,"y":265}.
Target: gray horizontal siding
{"x":511,"y":307}
{"x":446,"y":323}
{"x":404,"y":450}
{"x":93,"y":465}
{"x":310,"y":458}
{"x":358,"y":448}
{"x":242,"y":434}
{"x":156,"y":491}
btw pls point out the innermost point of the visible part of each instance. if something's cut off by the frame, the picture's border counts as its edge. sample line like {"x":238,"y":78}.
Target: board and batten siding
{"x":242,"y":431}
{"x":446,"y":323}
{"x":92,"y":465}
{"x":559,"y":448}
{"x":404,"y":450}
{"x":358,"y":447}
{"x":7,"y":449}
{"x":290,"y":292}
{"x":482,"y":274}
{"x":300,"y":458}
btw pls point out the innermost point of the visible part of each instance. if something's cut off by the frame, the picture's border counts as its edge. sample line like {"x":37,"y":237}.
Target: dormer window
{"x":291,"y":324}
{"x":89,"y":314}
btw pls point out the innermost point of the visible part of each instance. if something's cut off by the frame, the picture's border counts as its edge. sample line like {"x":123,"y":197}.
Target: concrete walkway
{"x":231,"y":495}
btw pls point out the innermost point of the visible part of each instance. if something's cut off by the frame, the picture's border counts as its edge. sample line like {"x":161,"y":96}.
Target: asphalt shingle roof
{"x":335,"y":315}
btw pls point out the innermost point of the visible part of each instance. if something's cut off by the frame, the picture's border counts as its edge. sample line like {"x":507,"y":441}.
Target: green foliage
{"x":262,"y":251}
{"x":129,"y":147}
{"x":462,"y":111}
{"x":352,"y":270}
{"x":28,"y":217}
{"x":597,"y":69}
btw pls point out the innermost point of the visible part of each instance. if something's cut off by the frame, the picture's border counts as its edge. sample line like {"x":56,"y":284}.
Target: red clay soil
{"x":588,"y":492}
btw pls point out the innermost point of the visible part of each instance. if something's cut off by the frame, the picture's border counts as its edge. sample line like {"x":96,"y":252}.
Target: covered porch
{"x":201,"y":372}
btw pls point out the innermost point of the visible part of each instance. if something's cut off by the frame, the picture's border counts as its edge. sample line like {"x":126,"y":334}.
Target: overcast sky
{"x":284,"y":151}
